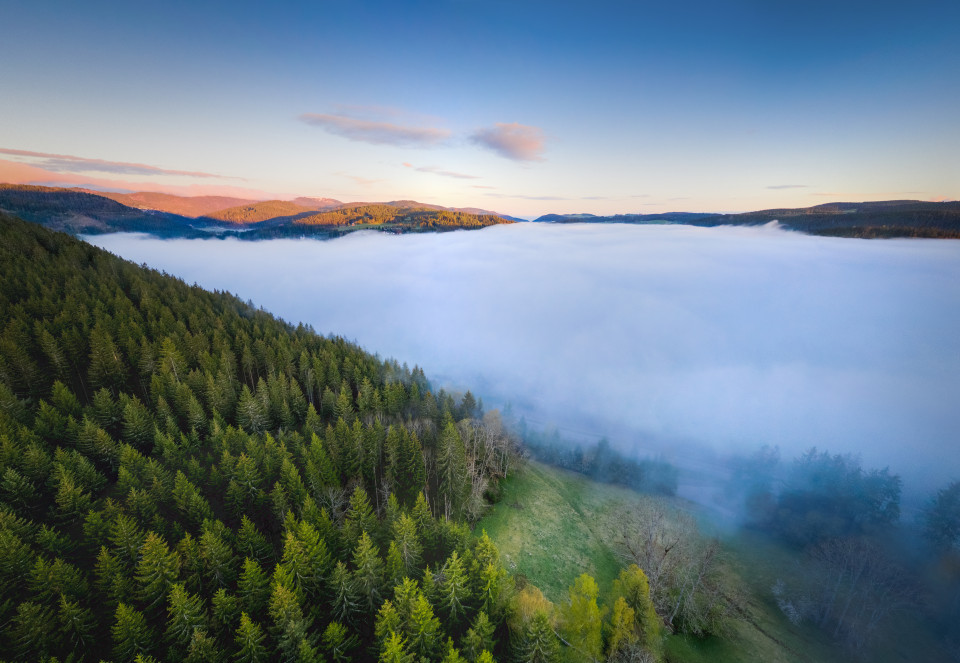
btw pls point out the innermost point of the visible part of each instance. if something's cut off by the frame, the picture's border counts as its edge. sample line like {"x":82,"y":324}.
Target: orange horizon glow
{"x":13,"y":172}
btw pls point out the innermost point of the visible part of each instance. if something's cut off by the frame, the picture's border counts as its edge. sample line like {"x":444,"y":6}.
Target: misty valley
{"x":573,"y":443}
{"x":663,"y":339}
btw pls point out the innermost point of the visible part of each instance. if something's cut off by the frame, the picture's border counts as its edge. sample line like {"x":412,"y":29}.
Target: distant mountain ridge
{"x":888,"y":218}
{"x":92,"y":212}
{"x":85,"y":211}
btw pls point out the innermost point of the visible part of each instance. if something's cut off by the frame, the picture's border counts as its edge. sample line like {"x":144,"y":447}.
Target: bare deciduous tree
{"x":859,"y":587}
{"x":682,"y":567}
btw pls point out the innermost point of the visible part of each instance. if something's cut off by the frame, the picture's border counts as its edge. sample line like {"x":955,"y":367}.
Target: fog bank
{"x":659,"y":337}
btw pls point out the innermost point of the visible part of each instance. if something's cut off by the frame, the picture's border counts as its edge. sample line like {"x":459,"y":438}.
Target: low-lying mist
{"x":665,"y":339}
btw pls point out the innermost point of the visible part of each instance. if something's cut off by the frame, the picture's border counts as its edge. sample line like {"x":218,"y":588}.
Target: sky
{"x":521,"y":106}
{"x":665,"y":339}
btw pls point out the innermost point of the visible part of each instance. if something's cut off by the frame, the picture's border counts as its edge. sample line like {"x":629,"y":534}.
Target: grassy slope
{"x":551,"y":526}
{"x":544,"y":532}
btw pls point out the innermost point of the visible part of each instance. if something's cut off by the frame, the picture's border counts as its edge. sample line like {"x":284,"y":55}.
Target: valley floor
{"x":552,"y":525}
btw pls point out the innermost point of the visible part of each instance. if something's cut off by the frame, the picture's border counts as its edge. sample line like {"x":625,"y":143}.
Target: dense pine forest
{"x":184,"y":477}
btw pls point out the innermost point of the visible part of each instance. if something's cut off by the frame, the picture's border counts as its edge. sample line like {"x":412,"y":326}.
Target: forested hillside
{"x":260,"y":211}
{"x":76,"y":211}
{"x":184,"y":477}
{"x":192,"y":206}
{"x":416,"y":217}
{"x":890,"y":218}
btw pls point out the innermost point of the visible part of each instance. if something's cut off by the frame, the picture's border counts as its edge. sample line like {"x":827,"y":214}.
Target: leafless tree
{"x":335,"y":499}
{"x":859,"y":587}
{"x":682,"y":567}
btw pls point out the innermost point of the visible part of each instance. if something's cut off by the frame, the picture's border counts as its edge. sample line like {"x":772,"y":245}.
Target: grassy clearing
{"x":551,"y":526}
{"x":544,"y":530}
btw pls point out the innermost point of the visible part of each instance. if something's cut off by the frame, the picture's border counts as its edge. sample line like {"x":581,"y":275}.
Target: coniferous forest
{"x":184,"y":477}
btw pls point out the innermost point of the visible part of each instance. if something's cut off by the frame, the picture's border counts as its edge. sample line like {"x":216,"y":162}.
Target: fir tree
{"x":368,"y":572}
{"x":157,"y":569}
{"x":253,"y":587}
{"x":131,"y":635}
{"x":185,"y":616}
{"x":249,"y":641}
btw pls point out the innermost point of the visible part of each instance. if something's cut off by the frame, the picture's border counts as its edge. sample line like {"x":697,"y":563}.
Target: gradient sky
{"x":524,"y":107}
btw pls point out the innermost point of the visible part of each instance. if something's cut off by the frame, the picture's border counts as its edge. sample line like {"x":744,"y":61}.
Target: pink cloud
{"x":376,"y":132}
{"x":362,"y":181}
{"x":519,"y":142}
{"x":440,"y":171}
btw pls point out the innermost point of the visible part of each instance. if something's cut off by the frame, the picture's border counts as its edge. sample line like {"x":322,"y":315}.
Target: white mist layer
{"x":661,"y":337}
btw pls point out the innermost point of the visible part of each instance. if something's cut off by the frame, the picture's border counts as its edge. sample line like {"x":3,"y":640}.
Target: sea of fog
{"x":666,"y":339}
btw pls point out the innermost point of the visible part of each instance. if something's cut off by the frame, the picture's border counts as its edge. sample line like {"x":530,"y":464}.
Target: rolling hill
{"x":891,"y":218}
{"x":192,"y":206}
{"x":85,"y":212}
{"x":76,"y":211}
{"x":258,"y":212}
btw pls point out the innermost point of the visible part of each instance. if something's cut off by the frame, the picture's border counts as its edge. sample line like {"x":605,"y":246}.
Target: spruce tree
{"x":394,"y":650}
{"x":539,"y":643}
{"x":249,"y":641}
{"x":455,"y":589}
{"x":368,"y":573}
{"x":185,"y":615}
{"x":339,"y":642}
{"x":131,"y":635}
{"x":157,"y":569}
{"x":253,"y":587}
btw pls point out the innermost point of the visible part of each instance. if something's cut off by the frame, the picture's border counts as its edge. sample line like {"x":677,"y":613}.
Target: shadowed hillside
{"x":893,"y":218}
{"x":192,"y":206}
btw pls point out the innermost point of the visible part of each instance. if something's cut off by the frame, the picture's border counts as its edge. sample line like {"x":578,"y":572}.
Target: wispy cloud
{"x":376,"y":132}
{"x":440,"y":171}
{"x":17,"y":172}
{"x":520,"y":197}
{"x":519,"y":142}
{"x":362,"y":181}
{"x":789,"y":186}
{"x":65,"y":163}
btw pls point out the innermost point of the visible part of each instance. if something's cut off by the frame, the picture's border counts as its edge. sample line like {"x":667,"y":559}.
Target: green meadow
{"x":552,"y":525}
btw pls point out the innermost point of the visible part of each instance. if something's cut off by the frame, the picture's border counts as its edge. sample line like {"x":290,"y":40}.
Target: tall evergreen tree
{"x":157,"y":569}
{"x":131,"y":635}
{"x":368,"y":572}
{"x":185,"y":616}
{"x":249,"y":641}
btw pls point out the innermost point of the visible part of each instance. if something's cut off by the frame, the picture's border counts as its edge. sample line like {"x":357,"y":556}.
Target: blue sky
{"x":521,"y":107}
